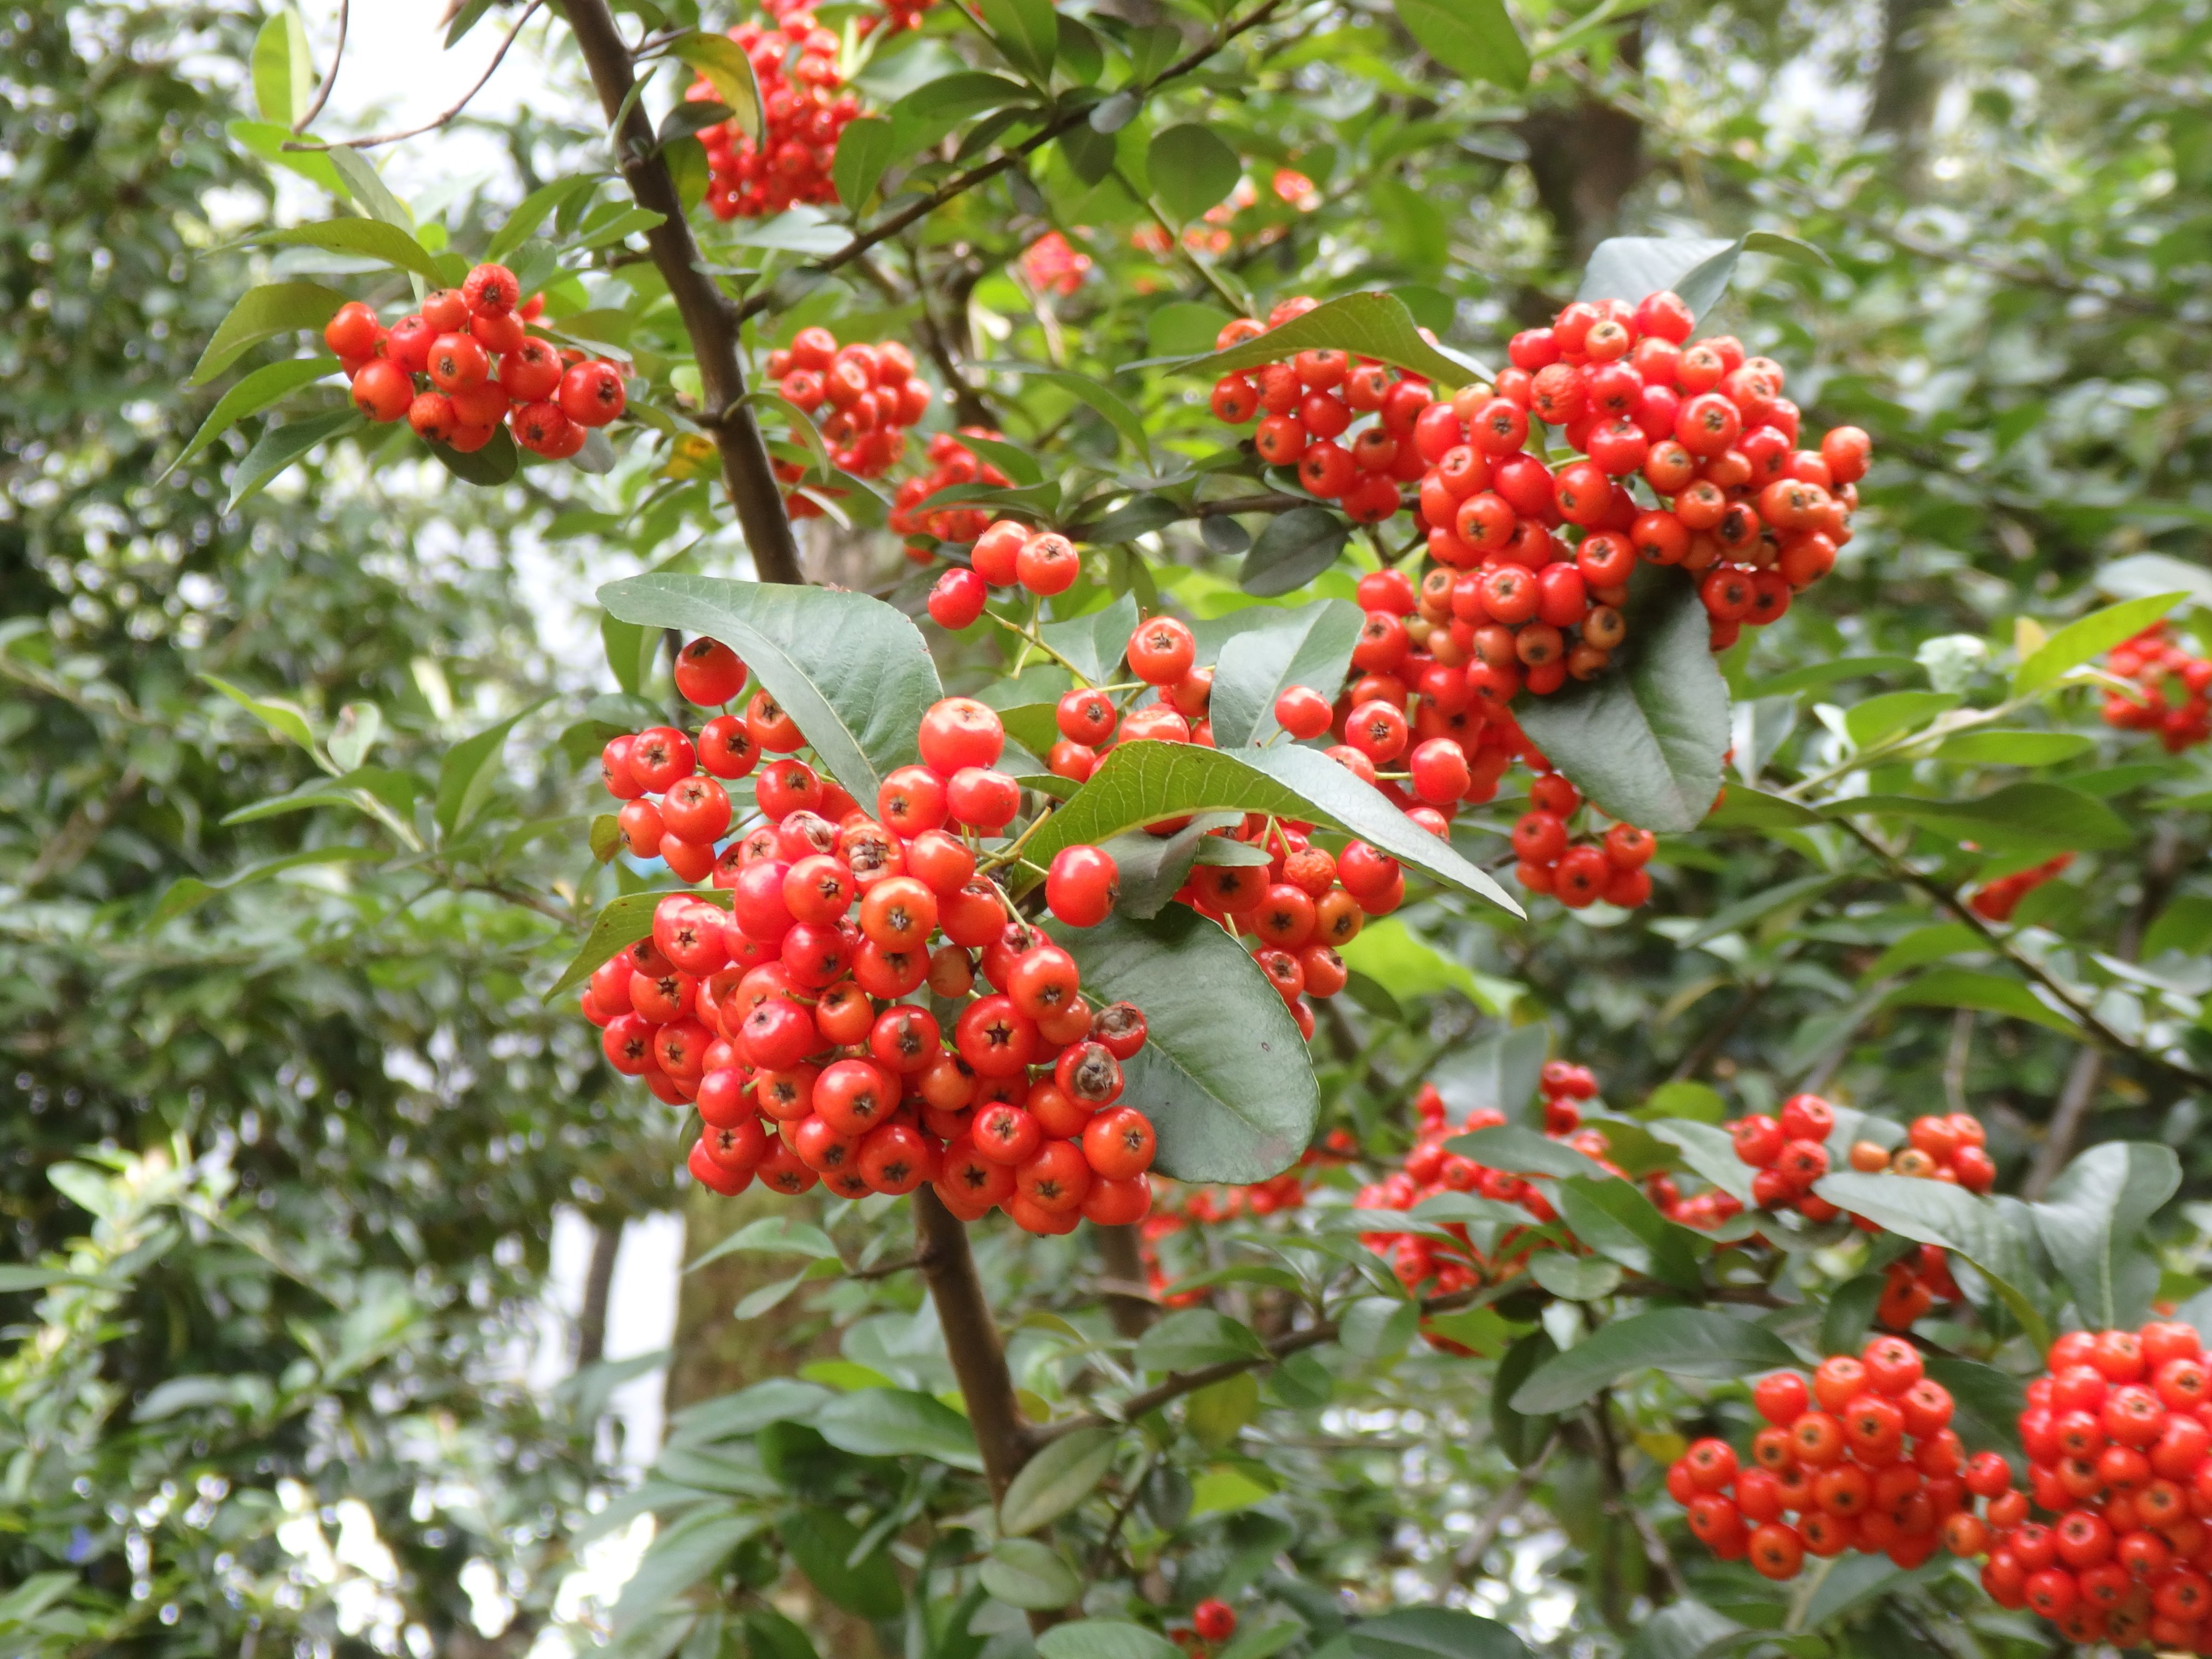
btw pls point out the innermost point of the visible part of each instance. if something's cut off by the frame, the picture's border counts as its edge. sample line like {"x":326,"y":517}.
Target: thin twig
{"x":1468,"y":1557}
{"x":432,"y":126}
{"x":960,"y":184}
{"x":323,"y":92}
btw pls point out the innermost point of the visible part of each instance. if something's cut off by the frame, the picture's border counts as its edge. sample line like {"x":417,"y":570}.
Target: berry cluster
{"x":795,"y":60}
{"x":1954,"y":1148}
{"x":950,"y":463}
{"x":1996,"y":901}
{"x":1911,"y":1286}
{"x":1791,"y":1153}
{"x":1434,"y":1266}
{"x":1006,"y":554}
{"x":872,"y":396}
{"x":1608,"y":866}
{"x":1053,"y":267}
{"x":1705,"y":428}
{"x":2170,"y":697}
{"x":1307,"y":409}
{"x":2120,"y":1453}
{"x":785,"y":1018}
{"x":1863,"y":1459}
{"x":483,"y":368}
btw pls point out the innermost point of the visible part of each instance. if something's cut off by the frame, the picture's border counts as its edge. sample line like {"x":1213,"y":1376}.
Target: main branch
{"x":971,"y":1338}
{"x":708,"y":319}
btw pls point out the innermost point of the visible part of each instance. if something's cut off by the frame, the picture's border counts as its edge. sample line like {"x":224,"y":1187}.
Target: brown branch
{"x":337,"y":56}
{"x":885,"y":1269}
{"x":1179,"y":1384}
{"x":1667,"y":1577}
{"x":599,"y":1288}
{"x":1118,"y":1249}
{"x":2168,"y":858}
{"x":707,"y":317}
{"x":2083,"y":1015}
{"x":961,"y":184}
{"x":77,"y":834}
{"x":971,"y":1338}
{"x":1467,"y":1558}
{"x":436,"y":121}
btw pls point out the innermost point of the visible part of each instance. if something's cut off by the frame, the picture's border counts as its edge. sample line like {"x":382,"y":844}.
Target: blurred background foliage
{"x":290,"y":1151}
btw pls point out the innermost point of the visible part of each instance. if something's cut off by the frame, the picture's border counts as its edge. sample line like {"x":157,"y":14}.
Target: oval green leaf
{"x":852,"y":671}
{"x":1224,"y":1074}
{"x":262,"y":313}
{"x":1311,"y":646}
{"x":898,"y":1423}
{"x":1645,"y":740}
{"x":1473,"y":39}
{"x":1681,"y":1341}
{"x":270,"y":383}
{"x":1056,"y":1479}
{"x":1375,"y":326}
{"x":1191,"y":169}
{"x":1296,"y":547}
{"x":1104,"y":1638}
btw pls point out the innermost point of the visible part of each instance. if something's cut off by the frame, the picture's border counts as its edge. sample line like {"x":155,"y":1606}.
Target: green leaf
{"x":1311,"y":646}
{"x":821,"y":1540}
{"x":277,"y":448}
{"x":1707,"y":1149}
{"x":1849,"y":1314}
{"x":1391,"y":954}
{"x":1970,"y":987}
{"x":1696,"y":268}
{"x":268,"y":383}
{"x":1434,"y":1632}
{"x":470,"y":771}
{"x":267,"y":139}
{"x":2094,"y":1221}
{"x":1149,"y":781}
{"x":1375,"y":326}
{"x":1614,"y":1218}
{"x":1026,"y":31}
{"x":680,"y":1556}
{"x":2143,"y":573}
{"x":369,"y":191}
{"x":13,"y":1279}
{"x":286,"y":719}
{"x":1104,"y":1638}
{"x":1139,"y":515}
{"x":1645,"y":740}
{"x":530,"y":212}
{"x":1682,"y":1341}
{"x":1191,"y":168}
{"x":1683,"y":1630}
{"x":1195,"y":1337}
{"x":1519,"y":1436}
{"x":1063,"y":1474}
{"x":2092,"y":636}
{"x":1215,"y":1414}
{"x":1995,"y":1239}
{"x":898,"y":1423}
{"x":262,"y":313}
{"x":1989,"y":1402}
{"x":1224,"y":1074}
{"x":2025,"y":814}
{"x":1574,"y":1278}
{"x":1498,"y":1075}
{"x":187,"y":893}
{"x":1520,"y":1151}
{"x":1183,"y":328}
{"x":739,"y":1415}
{"x":1096,"y":641}
{"x":1293,"y":549}
{"x":1024,"y":1573}
{"x":865,"y":148}
{"x":726,"y":66}
{"x":1813,"y":674}
{"x":1697,"y":1102}
{"x":1152,"y":868}
{"x":1870,"y":721}
{"x":1473,"y":39}
{"x":772,"y":1234}
{"x":2008,"y":748}
{"x":1109,"y":405}
{"x":283,"y":71}
{"x":370,"y":238}
{"x":929,"y":111}
{"x":1733,"y":918}
{"x":853,"y":671}
{"x":495,"y":464}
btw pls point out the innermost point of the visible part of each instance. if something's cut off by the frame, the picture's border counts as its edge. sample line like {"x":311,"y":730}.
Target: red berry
{"x":1081,"y":884}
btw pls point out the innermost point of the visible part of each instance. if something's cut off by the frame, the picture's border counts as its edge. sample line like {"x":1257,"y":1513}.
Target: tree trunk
{"x":1907,"y":83}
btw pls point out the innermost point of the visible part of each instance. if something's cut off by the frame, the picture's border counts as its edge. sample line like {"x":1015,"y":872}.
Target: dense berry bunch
{"x":1791,"y":1153}
{"x":785,"y":1018}
{"x":950,"y":463}
{"x":464,"y":362}
{"x":1307,"y":408}
{"x":871,"y":395}
{"x":1607,"y":866}
{"x":1996,"y":901}
{"x":1704,"y":429}
{"x":1435,"y":1266}
{"x":1005,"y":554}
{"x":795,"y":60}
{"x":1954,"y":1148}
{"x":2120,"y":1455}
{"x":1911,"y":1286}
{"x":2170,"y":695}
{"x":1863,"y":1459}
{"x":1053,"y":267}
